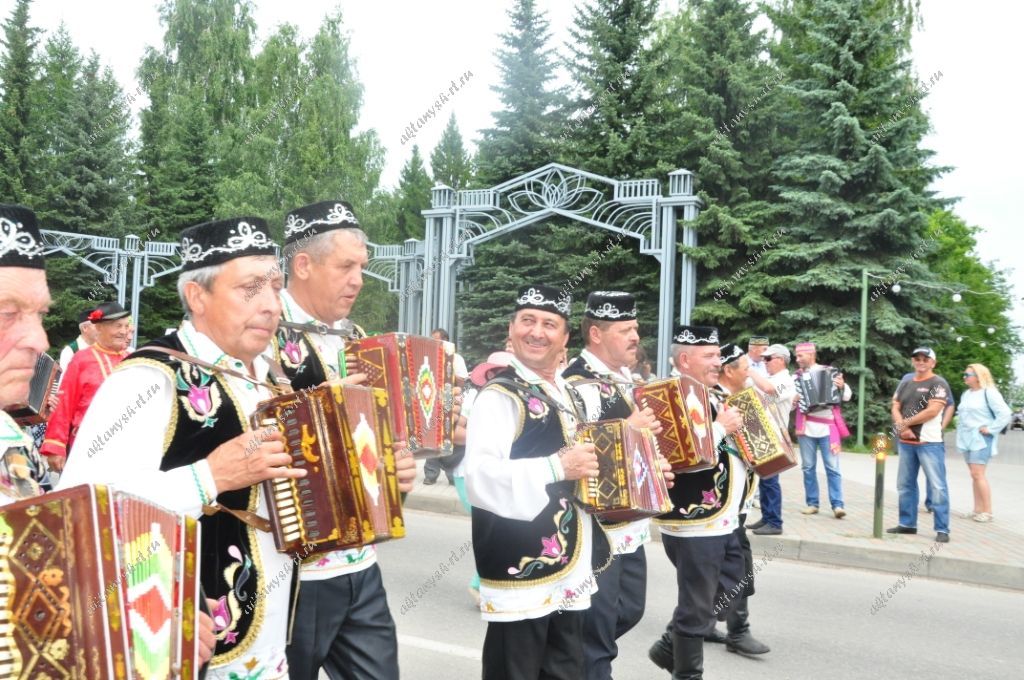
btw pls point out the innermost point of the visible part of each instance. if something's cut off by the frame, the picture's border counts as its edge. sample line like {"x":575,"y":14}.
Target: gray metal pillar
{"x":667,"y":288}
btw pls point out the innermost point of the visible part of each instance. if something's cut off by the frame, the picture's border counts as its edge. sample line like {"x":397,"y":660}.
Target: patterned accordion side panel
{"x":418,"y":375}
{"x":341,"y":436}
{"x":151,"y":546}
{"x":629,"y":485}
{"x":310,"y":511}
{"x":681,"y":406}
{"x":93,"y":587}
{"x":758,"y":438}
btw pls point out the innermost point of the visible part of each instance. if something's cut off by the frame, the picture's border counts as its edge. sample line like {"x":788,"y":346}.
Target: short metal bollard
{"x":880,"y":445}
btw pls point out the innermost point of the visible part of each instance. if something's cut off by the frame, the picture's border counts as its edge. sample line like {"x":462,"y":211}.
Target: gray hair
{"x":317,"y":246}
{"x":676,"y":350}
{"x":204,"y":276}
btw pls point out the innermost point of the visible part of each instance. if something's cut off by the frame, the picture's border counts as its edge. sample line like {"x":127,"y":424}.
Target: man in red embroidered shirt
{"x":87,"y":370}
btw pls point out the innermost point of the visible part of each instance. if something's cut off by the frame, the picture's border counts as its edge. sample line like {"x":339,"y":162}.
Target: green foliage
{"x":413,"y":197}
{"x":526,"y":127}
{"x":952,"y":257}
{"x":449,"y":162}
{"x":17,"y":75}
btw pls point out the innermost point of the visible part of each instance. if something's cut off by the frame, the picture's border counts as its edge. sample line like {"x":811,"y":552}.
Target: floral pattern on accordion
{"x":710,"y":498}
{"x":552,"y":547}
{"x":202,"y":395}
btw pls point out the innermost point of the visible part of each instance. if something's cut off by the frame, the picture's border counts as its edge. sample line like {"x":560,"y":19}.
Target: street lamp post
{"x":863,"y":355}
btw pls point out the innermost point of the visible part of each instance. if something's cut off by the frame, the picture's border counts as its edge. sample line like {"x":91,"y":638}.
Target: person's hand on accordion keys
{"x":644,"y":419}
{"x":730,"y":419}
{"x":250,"y":458}
{"x":579,"y":461}
{"x":207,"y":640}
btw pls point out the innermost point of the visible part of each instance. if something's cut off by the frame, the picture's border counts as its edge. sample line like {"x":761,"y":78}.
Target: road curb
{"x":823,"y":552}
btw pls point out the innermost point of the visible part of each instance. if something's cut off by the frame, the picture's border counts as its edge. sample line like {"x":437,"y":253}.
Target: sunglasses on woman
{"x":970,"y":375}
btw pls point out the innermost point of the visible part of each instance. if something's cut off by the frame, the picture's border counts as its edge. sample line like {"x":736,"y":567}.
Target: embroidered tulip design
{"x":291,"y":350}
{"x":199,"y":397}
{"x":535,"y":405}
{"x":552,"y":548}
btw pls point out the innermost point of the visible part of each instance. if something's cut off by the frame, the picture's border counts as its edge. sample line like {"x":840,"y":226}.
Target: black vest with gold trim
{"x":204,"y":416}
{"x":515,"y":553}
{"x":700,"y":497}
{"x":300,"y":359}
{"x":616,"y":398}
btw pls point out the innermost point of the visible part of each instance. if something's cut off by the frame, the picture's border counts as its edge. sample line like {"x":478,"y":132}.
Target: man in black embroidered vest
{"x":698,"y":535}
{"x":174,"y":432}
{"x":354,"y":635}
{"x":601,"y":375}
{"x":24,"y":301}
{"x":532,"y":545}
{"x":736,"y":370}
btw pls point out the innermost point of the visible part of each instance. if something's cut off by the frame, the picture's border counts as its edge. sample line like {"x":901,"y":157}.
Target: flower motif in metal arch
{"x":556,"y":190}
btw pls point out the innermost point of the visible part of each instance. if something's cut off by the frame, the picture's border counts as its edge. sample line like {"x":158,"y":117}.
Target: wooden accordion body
{"x":418,"y":374}
{"x":681,"y":405}
{"x":629,"y":485}
{"x":816,"y":389}
{"x":762,"y":439}
{"x":349,"y":497}
{"x":44,"y":384}
{"x":97,"y":584}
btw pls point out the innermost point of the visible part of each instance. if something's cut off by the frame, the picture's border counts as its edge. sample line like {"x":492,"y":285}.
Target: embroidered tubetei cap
{"x":220,"y":241}
{"x":696,"y":335}
{"x":544,"y":298}
{"x":318,"y":218}
{"x":21,"y":244}
{"x":610,"y":305}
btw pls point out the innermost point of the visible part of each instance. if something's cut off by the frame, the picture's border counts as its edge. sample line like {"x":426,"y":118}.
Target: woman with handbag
{"x":981,"y":415}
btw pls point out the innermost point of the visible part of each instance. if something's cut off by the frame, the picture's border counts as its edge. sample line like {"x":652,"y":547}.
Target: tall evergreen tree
{"x":849,"y":199}
{"x":17,"y":74}
{"x":450,"y":163}
{"x":719,"y":120}
{"x":616,"y":75}
{"x":413,"y":197}
{"x":526,"y":126}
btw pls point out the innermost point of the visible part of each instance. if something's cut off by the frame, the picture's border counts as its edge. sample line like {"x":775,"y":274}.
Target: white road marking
{"x":442,"y":647}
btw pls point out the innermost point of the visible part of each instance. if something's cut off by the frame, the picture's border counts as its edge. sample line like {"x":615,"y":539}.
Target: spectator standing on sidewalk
{"x":779,"y":388}
{"x":982,"y":415}
{"x":822,"y":429}
{"x":947,"y":416}
{"x":917,"y":416}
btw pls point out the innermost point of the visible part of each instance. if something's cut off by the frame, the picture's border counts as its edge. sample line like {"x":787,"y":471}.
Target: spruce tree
{"x":719,"y":119}
{"x":849,"y":198}
{"x":17,"y":74}
{"x":413,"y":197}
{"x":450,"y":164}
{"x":526,"y":126}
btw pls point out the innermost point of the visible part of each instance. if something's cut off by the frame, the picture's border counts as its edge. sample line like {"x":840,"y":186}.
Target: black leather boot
{"x":740,"y":640}
{"x":661,"y":651}
{"x":688,"y":658}
{"x":715,"y":636}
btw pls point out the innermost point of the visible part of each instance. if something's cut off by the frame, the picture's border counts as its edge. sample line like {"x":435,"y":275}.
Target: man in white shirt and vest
{"x":342,"y":622}
{"x":171,"y":424}
{"x":533,"y":546}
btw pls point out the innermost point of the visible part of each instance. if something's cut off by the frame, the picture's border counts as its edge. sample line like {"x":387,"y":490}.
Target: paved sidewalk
{"x":985,"y":554}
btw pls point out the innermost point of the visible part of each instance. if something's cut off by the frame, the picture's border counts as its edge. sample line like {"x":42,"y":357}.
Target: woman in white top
{"x":982,"y":414}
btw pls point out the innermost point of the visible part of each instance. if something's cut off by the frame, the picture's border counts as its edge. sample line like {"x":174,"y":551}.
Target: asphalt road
{"x":817,"y":620}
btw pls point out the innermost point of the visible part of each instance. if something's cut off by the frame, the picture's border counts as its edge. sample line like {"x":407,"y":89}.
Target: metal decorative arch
{"x":459,"y":221}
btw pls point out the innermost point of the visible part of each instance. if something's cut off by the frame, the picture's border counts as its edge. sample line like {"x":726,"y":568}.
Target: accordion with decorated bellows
{"x":97,"y":584}
{"x":44,"y":384}
{"x":681,"y":405}
{"x":418,"y":374}
{"x":629,"y":485}
{"x":349,"y":498}
{"x":762,"y":439}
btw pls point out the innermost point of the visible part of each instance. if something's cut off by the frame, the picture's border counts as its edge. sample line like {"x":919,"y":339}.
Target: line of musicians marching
{"x":277,"y":433}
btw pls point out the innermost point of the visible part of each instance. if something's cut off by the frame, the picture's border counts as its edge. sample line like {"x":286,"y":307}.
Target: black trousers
{"x":547,"y":648}
{"x":343,"y":625}
{"x":615,"y":608}
{"x":432,"y":466}
{"x":707,"y":568}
